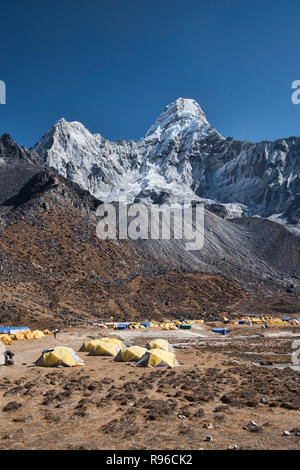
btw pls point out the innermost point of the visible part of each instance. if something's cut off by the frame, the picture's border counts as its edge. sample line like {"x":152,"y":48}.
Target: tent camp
{"x":89,"y":345}
{"x":131,"y":354}
{"x":104,"y":348}
{"x":160,"y":344}
{"x":157,"y":358}
{"x":60,"y":356}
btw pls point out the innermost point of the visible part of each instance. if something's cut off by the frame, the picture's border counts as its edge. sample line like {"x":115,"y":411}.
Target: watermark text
{"x":155,"y":222}
{"x":2,"y":92}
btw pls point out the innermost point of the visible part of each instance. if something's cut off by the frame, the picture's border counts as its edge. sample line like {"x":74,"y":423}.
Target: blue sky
{"x":115,"y":64}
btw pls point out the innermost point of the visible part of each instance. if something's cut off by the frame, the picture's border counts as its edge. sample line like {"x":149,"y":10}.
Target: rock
{"x":199,"y":413}
{"x":252,"y":426}
{"x":15,"y":435}
{"x":253,"y":423}
{"x":12,"y":406}
{"x":264,"y":400}
{"x":209,"y":439}
{"x":26,"y":419}
{"x":286,"y":433}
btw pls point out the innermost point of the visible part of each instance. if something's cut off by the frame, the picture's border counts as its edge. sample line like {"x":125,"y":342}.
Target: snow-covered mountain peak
{"x":184,"y":109}
{"x":62,"y":121}
{"x":62,"y":126}
{"x":182,"y":113}
{"x":67,"y":136}
{"x":181,"y":158}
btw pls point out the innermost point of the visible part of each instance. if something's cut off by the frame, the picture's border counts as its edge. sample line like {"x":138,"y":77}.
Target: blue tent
{"x":12,"y":329}
{"x":222,"y":331}
{"x":122,"y":326}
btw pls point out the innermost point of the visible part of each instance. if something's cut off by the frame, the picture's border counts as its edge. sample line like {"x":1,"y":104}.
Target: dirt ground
{"x":223,"y":383}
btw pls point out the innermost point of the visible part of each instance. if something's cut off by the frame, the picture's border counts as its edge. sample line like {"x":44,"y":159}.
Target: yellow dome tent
{"x":116,"y":341}
{"x":37,"y":334}
{"x":133,"y":353}
{"x":28,"y":334}
{"x":104,"y":348}
{"x":6,"y":339}
{"x":89,"y":345}
{"x":18,"y":336}
{"x":60,"y":356}
{"x":160,"y":344}
{"x":157,"y":358}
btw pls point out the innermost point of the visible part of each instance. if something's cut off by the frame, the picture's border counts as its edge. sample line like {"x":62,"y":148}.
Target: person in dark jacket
{"x":9,"y":358}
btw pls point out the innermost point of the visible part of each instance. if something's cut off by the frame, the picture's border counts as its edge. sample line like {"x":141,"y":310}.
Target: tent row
{"x":164,"y":325}
{"x":8,"y":339}
{"x":157,"y":353}
{"x":254,"y":319}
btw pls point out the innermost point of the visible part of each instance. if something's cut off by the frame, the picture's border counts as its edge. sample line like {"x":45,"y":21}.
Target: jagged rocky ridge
{"x":17,"y":166}
{"x":25,"y":178}
{"x":181,"y":158}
